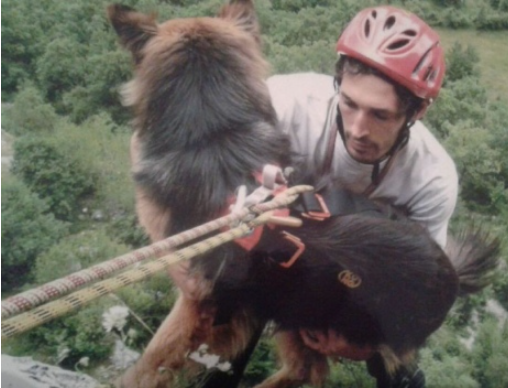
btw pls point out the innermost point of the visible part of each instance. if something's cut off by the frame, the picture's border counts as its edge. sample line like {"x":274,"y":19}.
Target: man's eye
{"x":381,"y":116}
{"x":349,"y":104}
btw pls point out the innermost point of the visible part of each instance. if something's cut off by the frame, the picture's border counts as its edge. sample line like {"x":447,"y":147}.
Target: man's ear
{"x":134,"y":29}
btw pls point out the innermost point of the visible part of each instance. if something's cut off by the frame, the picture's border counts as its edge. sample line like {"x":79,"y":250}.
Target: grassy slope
{"x":491,"y":47}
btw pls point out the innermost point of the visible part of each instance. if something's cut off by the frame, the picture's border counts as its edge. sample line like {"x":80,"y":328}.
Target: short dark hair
{"x":410,"y":103}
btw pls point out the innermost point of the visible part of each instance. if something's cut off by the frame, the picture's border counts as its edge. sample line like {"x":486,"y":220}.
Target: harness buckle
{"x":300,"y":248}
{"x":321,"y":215}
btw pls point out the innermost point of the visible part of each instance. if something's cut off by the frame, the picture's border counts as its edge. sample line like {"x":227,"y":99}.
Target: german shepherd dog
{"x":204,"y":125}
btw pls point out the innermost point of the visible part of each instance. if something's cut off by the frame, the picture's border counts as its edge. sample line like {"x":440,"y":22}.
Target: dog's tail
{"x":475,"y":256}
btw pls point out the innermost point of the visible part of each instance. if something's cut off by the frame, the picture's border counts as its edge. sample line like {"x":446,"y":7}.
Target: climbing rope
{"x":57,"y":308}
{"x":37,"y":296}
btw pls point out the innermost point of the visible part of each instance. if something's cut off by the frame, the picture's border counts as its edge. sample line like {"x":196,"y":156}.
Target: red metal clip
{"x":300,"y":249}
{"x":321,"y":215}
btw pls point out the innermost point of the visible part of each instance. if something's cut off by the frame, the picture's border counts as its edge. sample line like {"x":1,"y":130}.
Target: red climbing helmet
{"x":399,"y":45}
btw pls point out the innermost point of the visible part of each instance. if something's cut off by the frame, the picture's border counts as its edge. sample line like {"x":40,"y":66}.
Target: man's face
{"x":371,"y":116}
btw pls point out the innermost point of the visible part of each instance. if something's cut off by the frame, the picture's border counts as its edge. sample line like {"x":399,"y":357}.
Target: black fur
{"x":205,"y":125}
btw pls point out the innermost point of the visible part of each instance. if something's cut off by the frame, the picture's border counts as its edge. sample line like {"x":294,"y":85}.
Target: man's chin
{"x":362,"y":157}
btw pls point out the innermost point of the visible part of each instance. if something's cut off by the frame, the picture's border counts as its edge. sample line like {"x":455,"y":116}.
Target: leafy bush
{"x":28,"y":229}
{"x":491,"y":21}
{"x":61,"y":67}
{"x":59,"y":178}
{"x":477,"y":164}
{"x":101,"y":147}
{"x":76,"y":252}
{"x":490,"y":353}
{"x":29,"y":114}
{"x":66,"y":340}
{"x":461,"y":62}
{"x":262,"y":363}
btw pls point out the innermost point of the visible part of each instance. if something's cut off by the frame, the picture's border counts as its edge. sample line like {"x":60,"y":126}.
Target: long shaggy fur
{"x":204,"y":124}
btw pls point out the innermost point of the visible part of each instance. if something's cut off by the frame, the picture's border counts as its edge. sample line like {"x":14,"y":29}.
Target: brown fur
{"x":203,"y":124}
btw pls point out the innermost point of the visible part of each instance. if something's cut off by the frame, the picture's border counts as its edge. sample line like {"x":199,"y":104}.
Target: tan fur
{"x":299,"y":364}
{"x":190,"y":322}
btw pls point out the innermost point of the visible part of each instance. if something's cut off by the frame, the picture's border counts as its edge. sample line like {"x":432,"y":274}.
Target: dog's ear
{"x":243,"y":14}
{"x":133,"y":28}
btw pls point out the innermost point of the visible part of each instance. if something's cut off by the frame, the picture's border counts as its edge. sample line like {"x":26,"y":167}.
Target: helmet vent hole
{"x":398,"y":44}
{"x":374,"y":14}
{"x":367,"y":28}
{"x":430,"y":74}
{"x":409,"y":33}
{"x":389,"y":22}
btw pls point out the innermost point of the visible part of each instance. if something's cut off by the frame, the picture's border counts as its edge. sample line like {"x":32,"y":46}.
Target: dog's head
{"x":194,"y":74}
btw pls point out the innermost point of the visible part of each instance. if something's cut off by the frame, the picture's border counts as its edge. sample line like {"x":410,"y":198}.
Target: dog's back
{"x":204,"y":119}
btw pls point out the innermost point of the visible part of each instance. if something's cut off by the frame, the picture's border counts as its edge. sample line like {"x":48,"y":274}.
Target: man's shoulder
{"x":427,"y":146}
{"x":429,"y":160}
{"x":313,"y":85}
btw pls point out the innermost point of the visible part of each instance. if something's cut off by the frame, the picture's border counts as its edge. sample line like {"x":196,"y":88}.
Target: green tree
{"x":29,"y":114}
{"x":61,"y":67}
{"x":76,"y":252}
{"x":461,"y":62}
{"x":61,"y":179}
{"x":477,"y":164}
{"x":490,"y":353}
{"x":28,"y":229}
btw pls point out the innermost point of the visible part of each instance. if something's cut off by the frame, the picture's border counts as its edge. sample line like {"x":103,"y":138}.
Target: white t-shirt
{"x":423,"y":178}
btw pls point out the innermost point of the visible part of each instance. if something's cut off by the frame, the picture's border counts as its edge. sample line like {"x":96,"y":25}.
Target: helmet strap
{"x":378,"y":174}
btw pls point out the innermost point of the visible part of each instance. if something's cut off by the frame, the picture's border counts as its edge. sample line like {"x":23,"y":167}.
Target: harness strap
{"x":378,"y":176}
{"x":340,"y":202}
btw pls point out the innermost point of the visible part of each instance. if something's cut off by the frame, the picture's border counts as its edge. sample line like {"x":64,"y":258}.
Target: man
{"x":390,"y":69}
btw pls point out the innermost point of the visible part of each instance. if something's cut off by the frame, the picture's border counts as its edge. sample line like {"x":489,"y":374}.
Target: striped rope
{"x":31,"y":298}
{"x":57,"y":308}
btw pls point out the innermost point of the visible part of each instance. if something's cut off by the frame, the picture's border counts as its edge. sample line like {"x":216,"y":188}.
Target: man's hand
{"x":330,"y":343}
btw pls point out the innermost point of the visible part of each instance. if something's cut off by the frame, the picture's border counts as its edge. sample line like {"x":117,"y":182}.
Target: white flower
{"x":209,"y":360}
{"x":63,"y":352}
{"x":132,"y":333}
{"x":224,"y":366}
{"x":115,"y":318}
{"x":203,"y":348}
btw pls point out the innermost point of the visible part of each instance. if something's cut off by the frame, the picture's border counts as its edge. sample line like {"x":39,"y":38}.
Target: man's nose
{"x":359,"y":126}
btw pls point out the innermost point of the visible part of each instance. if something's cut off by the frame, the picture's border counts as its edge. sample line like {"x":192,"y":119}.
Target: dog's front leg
{"x":300,"y":364}
{"x":183,"y":330}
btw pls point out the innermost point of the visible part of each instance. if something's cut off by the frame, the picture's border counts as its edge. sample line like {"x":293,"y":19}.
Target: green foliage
{"x":490,"y":353}
{"x":104,"y":74}
{"x":448,"y":371}
{"x":63,"y":57}
{"x":58,"y":177}
{"x":76,"y":252}
{"x":29,"y":114}
{"x":461,"y":63}
{"x":66,"y":340}
{"x":28,"y":229}
{"x":151,"y":301}
{"x":101,"y":147}
{"x":61,"y":67}
{"x":491,"y":21}
{"x":347,"y":374}
{"x":500,"y":287}
{"x":477,"y":164}
{"x":125,"y":228}
{"x":74,"y":167}
{"x":446,"y":361}
{"x":262,"y":363}
{"x":22,"y":41}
